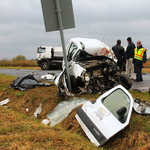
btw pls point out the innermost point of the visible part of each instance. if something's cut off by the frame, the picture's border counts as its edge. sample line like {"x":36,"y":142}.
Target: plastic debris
{"x":4,"y":102}
{"x":38,"y":111}
{"x":27,"y":82}
{"x":62,"y":110}
{"x":48,"y":77}
{"x":45,"y":121}
{"x":27,"y":109}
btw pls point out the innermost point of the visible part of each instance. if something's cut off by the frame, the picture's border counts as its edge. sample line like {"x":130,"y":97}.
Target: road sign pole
{"x":58,"y":11}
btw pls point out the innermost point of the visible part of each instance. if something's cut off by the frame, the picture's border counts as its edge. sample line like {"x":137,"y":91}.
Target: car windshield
{"x":71,"y":51}
{"x":41,"y":50}
{"x":82,"y":55}
{"x":116,"y":100}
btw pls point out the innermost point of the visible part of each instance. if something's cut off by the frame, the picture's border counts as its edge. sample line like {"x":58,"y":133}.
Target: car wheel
{"x":44,"y":66}
{"x":125,"y":81}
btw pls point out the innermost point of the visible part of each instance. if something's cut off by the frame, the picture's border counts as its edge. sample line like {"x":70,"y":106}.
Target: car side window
{"x":71,"y":51}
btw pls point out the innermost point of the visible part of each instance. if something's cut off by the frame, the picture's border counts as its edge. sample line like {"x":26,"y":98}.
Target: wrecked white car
{"x":106,"y":116}
{"x":91,"y":68}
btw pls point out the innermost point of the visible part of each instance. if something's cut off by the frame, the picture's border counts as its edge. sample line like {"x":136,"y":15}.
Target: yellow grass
{"x":18,"y":130}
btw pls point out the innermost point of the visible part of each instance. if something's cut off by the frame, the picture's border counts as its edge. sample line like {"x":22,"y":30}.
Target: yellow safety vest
{"x":138,"y":54}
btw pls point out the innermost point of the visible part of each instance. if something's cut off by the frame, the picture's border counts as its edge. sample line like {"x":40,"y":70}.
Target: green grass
{"x":19,"y":130}
{"x":20,"y":93}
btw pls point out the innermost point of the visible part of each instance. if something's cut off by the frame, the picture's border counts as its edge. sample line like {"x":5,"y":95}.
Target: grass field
{"x":20,"y":131}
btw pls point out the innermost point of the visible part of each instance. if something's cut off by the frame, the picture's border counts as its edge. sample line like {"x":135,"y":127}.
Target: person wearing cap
{"x":120,"y":55}
{"x":129,"y":58}
{"x":139,"y":61}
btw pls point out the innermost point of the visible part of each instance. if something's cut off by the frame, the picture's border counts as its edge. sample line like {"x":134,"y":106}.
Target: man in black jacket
{"x":120,"y":55}
{"x":129,"y":58}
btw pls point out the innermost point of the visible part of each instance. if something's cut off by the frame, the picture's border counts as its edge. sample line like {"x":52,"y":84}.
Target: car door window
{"x":116,"y":101}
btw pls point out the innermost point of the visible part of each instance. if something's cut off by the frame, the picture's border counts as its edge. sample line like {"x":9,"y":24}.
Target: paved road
{"x":22,"y":72}
{"x":141,"y":86}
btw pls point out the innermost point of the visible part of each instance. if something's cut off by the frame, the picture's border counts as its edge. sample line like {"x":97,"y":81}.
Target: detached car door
{"x":106,"y":116}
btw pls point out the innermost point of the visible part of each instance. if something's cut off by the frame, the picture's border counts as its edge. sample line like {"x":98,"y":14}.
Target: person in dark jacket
{"x":139,"y":60}
{"x":129,"y":58}
{"x":120,"y":55}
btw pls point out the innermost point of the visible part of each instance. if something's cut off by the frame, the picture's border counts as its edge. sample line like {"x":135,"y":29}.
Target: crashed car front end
{"x":100,"y":74}
{"x":90,"y":73}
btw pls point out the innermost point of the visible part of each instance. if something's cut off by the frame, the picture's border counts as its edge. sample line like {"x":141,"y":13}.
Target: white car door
{"x":106,"y":116}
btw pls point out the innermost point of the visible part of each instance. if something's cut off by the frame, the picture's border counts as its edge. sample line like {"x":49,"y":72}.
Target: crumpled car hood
{"x":92,"y":75}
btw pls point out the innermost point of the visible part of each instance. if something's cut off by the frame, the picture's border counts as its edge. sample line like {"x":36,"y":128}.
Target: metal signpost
{"x":58,"y":15}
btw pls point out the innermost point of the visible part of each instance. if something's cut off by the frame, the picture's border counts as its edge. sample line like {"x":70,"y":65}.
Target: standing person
{"x":129,"y":58}
{"x":120,"y":55}
{"x":139,"y":60}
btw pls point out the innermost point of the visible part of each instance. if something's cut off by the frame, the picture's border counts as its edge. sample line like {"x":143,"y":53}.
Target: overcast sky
{"x":22,"y":27}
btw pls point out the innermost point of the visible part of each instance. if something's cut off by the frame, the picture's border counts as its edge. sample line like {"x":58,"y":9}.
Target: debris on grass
{"x":62,"y":110}
{"x":27,"y":82}
{"x":141,"y":107}
{"x":4,"y":102}
{"x":38,"y":111}
{"x":48,"y":77}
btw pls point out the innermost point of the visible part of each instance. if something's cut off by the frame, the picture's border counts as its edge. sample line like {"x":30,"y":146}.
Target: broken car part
{"x":47,"y":77}
{"x":62,"y":110}
{"x":27,"y":82}
{"x":141,"y":107}
{"x":106,"y":116}
{"x":38,"y":111}
{"x":4,"y":102}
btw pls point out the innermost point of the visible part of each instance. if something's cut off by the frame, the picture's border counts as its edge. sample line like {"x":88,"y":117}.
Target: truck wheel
{"x":44,"y":66}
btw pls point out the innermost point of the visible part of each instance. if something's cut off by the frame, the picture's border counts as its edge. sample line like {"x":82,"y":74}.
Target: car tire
{"x":44,"y":66}
{"x":125,"y":81}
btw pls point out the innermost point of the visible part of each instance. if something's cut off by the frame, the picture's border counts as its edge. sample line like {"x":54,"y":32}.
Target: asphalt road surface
{"x":22,"y":72}
{"x":140,"y":86}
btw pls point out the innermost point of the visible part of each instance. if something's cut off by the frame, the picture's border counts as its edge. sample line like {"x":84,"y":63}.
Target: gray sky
{"x":22,"y":27}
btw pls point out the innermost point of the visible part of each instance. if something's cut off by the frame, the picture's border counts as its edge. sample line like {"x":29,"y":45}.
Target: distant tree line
{"x":19,"y":60}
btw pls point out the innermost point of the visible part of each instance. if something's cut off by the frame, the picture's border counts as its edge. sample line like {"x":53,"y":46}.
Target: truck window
{"x":41,"y":50}
{"x":72,"y":50}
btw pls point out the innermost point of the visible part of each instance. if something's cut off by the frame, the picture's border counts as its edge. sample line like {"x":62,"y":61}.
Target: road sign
{"x":58,"y":15}
{"x":50,"y":14}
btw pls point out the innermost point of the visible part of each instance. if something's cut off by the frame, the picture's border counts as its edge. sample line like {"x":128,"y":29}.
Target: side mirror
{"x":121,"y":114}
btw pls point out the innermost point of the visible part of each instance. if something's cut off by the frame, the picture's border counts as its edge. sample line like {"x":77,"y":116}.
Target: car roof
{"x":91,"y":45}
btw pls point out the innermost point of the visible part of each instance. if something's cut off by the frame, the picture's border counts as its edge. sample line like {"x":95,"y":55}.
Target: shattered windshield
{"x":82,"y":55}
{"x":71,"y":51}
{"x":41,"y":50}
{"x":118,"y":99}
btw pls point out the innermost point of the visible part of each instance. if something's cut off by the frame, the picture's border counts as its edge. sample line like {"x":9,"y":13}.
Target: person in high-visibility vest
{"x":139,"y":61}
